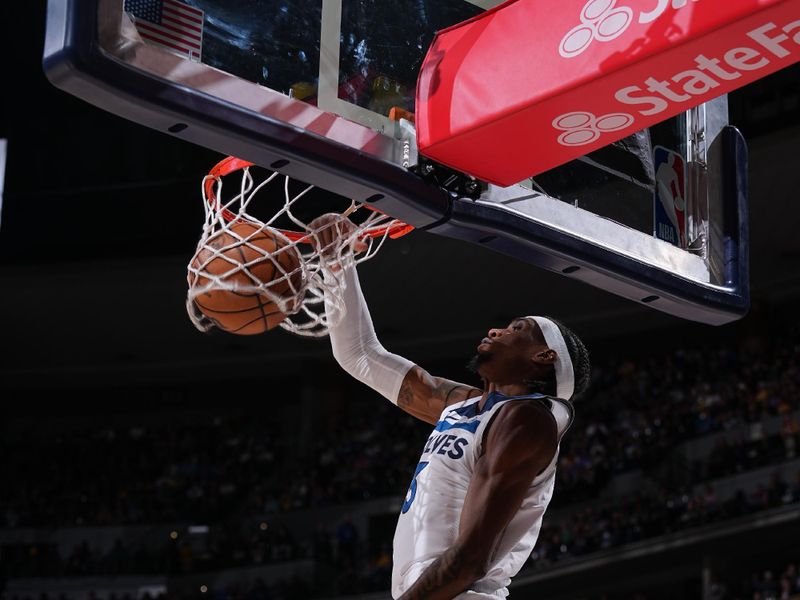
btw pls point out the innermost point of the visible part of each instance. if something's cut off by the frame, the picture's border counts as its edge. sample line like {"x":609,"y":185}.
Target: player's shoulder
{"x":522,"y":432}
{"x":532,"y":411}
{"x":524,"y":419}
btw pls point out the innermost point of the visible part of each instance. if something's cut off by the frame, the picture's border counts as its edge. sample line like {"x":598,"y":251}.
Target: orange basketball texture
{"x":246,"y":313}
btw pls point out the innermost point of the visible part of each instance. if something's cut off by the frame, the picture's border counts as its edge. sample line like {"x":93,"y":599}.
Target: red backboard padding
{"x":533,"y":84}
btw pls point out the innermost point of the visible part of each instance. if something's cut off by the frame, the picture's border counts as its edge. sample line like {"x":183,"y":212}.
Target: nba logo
{"x":669,"y":210}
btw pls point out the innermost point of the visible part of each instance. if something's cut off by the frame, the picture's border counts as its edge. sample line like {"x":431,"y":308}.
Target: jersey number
{"x":412,"y":490}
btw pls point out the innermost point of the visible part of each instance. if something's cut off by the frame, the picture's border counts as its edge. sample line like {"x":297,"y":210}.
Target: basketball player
{"x":474,"y":508}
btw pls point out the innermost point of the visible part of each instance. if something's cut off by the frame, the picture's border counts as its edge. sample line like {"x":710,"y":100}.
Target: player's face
{"x":506,"y":355}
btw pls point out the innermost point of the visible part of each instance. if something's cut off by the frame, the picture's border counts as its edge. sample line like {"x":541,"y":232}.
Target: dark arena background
{"x":141,"y":459}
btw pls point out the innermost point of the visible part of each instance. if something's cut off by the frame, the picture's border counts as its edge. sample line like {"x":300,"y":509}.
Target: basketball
{"x":262,"y":255}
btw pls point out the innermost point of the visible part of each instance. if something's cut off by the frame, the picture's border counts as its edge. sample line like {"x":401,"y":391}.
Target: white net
{"x":247,"y":276}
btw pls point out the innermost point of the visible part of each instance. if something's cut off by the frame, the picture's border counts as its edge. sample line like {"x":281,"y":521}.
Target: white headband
{"x":565,"y":375}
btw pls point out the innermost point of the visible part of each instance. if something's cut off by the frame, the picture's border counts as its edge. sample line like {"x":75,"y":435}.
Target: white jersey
{"x":429,"y":519}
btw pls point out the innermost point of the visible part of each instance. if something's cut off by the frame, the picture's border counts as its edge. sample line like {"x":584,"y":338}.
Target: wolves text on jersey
{"x":447,"y":444}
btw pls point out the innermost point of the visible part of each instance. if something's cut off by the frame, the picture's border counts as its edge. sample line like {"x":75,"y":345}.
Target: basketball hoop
{"x":304,"y":286}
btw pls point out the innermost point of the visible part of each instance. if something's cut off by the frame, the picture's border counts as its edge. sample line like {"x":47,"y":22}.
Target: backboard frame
{"x":89,"y":53}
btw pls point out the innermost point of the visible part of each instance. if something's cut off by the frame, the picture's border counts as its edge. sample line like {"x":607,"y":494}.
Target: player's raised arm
{"x":357,"y":349}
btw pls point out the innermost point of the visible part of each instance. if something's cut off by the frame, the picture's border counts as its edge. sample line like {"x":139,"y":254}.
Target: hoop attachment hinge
{"x":449,"y":179}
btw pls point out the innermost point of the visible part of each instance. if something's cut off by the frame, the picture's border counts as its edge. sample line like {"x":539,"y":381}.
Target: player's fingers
{"x":332,"y":232}
{"x":329,"y":233}
{"x":345,"y":227}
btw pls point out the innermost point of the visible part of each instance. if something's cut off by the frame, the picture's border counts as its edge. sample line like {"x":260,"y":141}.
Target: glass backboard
{"x":324,"y":91}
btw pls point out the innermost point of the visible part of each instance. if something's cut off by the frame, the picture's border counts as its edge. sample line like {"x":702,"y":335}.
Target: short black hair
{"x":581,"y":366}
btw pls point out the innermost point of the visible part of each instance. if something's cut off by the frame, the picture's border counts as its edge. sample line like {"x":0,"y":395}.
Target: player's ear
{"x":546,"y":356}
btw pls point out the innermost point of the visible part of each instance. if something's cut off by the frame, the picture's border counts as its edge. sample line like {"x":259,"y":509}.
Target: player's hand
{"x":331,"y":232}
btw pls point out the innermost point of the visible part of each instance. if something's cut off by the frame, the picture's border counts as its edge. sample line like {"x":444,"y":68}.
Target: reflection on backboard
{"x":324,"y":91}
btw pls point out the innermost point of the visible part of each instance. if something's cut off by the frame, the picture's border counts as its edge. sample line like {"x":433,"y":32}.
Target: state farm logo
{"x":695,"y":81}
{"x":581,"y":128}
{"x":603,"y":20}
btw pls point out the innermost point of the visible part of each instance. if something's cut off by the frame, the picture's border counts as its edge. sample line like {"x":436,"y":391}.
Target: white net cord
{"x":299,"y":283}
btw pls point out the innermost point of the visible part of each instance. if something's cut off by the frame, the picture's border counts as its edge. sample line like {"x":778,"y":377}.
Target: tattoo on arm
{"x":425,"y":396}
{"x":445,"y":578}
{"x":406,"y":395}
{"x":456,"y":393}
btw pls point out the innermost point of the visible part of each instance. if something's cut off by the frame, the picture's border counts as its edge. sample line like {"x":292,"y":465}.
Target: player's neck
{"x":509,"y":389}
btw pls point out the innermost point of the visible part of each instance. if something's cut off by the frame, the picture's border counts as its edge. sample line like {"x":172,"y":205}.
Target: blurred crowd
{"x":221,"y":547}
{"x":370,"y":453}
{"x":122,"y":475}
{"x":781,"y":584}
{"x":651,"y":514}
{"x":638,"y":411}
{"x":290,"y":589}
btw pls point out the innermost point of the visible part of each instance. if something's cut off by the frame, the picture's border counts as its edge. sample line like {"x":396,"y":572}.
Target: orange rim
{"x":232,"y":164}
